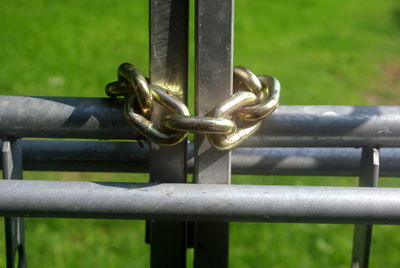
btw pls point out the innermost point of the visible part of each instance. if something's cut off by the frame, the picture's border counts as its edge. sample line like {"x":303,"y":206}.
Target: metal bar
{"x":63,"y":117}
{"x":363,"y":233}
{"x":289,"y":126}
{"x":200,"y":202}
{"x":329,"y":126}
{"x":169,"y":20}
{"x":214,"y":53}
{"x":98,"y":156}
{"x":14,"y":226}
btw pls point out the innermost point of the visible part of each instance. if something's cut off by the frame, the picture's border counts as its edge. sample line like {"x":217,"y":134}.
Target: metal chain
{"x":228,"y":125}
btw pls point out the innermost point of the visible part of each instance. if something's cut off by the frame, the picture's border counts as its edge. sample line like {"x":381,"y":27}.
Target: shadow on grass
{"x":396,"y":17}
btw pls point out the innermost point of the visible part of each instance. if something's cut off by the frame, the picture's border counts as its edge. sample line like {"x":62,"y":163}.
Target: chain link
{"x":228,"y":125}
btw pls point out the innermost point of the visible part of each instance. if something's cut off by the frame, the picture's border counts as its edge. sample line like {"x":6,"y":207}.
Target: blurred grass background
{"x":323,"y":52}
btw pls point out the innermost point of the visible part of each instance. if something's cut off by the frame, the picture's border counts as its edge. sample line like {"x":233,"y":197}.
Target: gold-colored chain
{"x":228,"y":125}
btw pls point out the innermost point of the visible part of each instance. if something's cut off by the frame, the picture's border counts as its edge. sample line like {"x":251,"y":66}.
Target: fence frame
{"x":181,"y":215}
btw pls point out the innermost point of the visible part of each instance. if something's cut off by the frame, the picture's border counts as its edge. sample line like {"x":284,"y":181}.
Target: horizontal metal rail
{"x":330,"y":126}
{"x":63,"y":117}
{"x":195,"y":202}
{"x":289,"y":126}
{"x":98,"y":156}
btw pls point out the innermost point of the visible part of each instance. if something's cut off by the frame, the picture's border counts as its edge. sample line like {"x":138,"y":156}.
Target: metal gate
{"x":312,"y":140}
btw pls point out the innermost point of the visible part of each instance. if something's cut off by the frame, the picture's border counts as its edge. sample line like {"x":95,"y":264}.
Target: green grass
{"x":323,"y":52}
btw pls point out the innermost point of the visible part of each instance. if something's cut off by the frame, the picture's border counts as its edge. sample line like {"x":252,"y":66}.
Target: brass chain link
{"x":228,"y":125}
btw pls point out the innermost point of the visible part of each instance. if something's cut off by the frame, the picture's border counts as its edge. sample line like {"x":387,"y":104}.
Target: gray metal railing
{"x":205,"y":202}
{"x":289,"y":126}
{"x":112,"y":156}
{"x":357,"y":141}
{"x":363,"y":206}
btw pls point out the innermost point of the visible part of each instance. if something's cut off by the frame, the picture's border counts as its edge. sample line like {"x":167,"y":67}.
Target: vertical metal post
{"x":14,"y":227}
{"x":214,"y":49}
{"x":369,"y":175}
{"x":169,"y":20}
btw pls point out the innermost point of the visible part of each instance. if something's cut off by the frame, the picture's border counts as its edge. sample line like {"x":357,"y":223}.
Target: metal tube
{"x":14,"y":226}
{"x":289,"y":126}
{"x":200,"y":202}
{"x":330,"y":126}
{"x":62,"y":155}
{"x":63,"y":117}
{"x":363,"y":232}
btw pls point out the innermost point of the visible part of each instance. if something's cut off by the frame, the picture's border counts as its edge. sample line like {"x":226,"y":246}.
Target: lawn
{"x":323,"y":52}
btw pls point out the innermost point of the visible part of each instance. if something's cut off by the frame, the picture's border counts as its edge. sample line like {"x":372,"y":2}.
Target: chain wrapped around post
{"x":227,"y":125}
